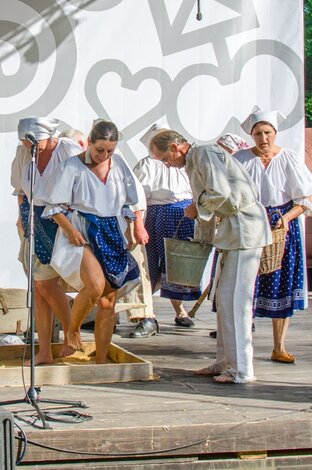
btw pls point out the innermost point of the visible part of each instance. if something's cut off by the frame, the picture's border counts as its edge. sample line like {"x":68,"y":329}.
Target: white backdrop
{"x":137,"y":62}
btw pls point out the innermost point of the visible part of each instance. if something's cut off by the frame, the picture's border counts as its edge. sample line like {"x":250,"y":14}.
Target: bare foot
{"x":66,"y":350}
{"x":74,"y":341}
{"x":224,"y":379}
{"x":210,"y":370}
{"x":40,"y":359}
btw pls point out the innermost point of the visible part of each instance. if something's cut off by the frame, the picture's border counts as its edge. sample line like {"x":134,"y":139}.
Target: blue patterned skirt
{"x":106,"y":242}
{"x":44,"y":231}
{"x":279,"y":294}
{"x":161,"y":222}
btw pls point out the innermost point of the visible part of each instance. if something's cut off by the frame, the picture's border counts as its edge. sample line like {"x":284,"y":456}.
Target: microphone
{"x":199,"y":15}
{"x":30,"y":136}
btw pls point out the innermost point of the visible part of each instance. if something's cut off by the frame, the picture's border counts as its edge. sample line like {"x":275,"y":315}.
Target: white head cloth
{"x":42,"y":127}
{"x":150,"y":133}
{"x":273,"y":117}
{"x":233,"y":142}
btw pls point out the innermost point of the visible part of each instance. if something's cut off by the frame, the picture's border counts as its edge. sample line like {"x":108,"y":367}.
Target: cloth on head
{"x":42,"y":127}
{"x":150,"y":133}
{"x":233,"y":142}
{"x":272,"y":117}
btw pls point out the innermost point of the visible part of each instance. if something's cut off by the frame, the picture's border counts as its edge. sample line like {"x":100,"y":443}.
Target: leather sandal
{"x":283,"y":357}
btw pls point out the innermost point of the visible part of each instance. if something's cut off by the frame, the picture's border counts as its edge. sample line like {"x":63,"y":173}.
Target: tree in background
{"x":308,"y":60}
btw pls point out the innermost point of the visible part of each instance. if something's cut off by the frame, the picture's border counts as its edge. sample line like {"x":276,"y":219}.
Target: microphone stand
{"x":32,"y":395}
{"x":199,"y":15}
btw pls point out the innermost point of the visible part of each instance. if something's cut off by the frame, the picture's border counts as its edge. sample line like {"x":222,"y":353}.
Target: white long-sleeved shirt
{"x":20,"y":169}
{"x":286,"y":177}
{"x":73,"y":184}
{"x":162,"y":185}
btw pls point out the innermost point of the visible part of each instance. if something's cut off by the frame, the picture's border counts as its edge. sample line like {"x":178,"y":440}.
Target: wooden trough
{"x":80,"y":368}
{"x":122,"y":366}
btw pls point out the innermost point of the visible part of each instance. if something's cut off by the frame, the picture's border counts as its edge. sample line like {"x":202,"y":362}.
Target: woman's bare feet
{"x":40,"y":358}
{"x":224,"y":379}
{"x":74,"y":341}
{"x":66,"y":350}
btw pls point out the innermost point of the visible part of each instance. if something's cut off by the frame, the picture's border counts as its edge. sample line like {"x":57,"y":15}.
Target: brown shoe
{"x":283,"y":357}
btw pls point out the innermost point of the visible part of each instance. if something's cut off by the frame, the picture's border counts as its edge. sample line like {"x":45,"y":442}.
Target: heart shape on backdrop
{"x":129,"y":81}
{"x":228,"y":72}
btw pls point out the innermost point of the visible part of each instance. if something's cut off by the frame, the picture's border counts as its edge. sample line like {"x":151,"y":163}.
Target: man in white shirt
{"x":222,"y":188}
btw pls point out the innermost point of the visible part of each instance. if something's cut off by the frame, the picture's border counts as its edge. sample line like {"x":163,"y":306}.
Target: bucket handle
{"x":175,"y":235}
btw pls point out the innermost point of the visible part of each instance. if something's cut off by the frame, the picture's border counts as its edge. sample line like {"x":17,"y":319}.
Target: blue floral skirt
{"x":161,"y":222}
{"x":44,"y":231}
{"x":279,"y":294}
{"x":106,"y":242}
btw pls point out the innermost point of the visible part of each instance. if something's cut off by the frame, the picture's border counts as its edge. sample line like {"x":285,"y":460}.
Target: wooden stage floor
{"x":180,"y":420}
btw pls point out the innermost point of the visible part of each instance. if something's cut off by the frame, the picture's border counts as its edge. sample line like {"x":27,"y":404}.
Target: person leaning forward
{"x":222,"y":187}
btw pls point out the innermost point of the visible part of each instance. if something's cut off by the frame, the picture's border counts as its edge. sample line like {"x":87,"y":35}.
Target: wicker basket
{"x":272,"y":255}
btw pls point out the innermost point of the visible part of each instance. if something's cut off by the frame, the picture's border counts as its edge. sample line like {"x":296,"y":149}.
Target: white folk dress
{"x":76,"y":187}
{"x":167,"y":192}
{"x":44,"y":231}
{"x":284,"y":182}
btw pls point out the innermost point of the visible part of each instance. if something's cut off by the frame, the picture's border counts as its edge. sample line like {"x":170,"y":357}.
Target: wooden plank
{"x":14,"y":321}
{"x":13,"y":310}
{"x":203,"y":440}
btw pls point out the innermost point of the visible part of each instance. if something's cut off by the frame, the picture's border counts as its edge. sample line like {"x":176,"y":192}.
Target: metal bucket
{"x":185,"y":260}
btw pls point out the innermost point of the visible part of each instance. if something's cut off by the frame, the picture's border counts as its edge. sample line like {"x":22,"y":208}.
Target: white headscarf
{"x":233,"y":142}
{"x":272,"y":117}
{"x":42,"y":127}
{"x":150,"y":133}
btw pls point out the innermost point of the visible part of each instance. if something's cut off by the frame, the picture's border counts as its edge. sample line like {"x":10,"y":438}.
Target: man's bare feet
{"x":40,"y":359}
{"x":224,"y":379}
{"x":210,"y":370}
{"x":74,"y":341}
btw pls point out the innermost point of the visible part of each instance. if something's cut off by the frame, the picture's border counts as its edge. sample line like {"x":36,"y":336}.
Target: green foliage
{"x":308,"y":106}
{"x":308,"y":28}
{"x":308,"y":60}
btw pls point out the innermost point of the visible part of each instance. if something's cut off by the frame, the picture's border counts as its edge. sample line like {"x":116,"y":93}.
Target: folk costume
{"x":221,"y":187}
{"x":286,"y":181}
{"x":167,"y":192}
{"x":44,"y":230}
{"x":96,"y":209}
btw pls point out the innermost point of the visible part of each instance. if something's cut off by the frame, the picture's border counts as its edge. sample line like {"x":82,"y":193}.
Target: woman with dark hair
{"x":284,"y":183}
{"x":86,"y":199}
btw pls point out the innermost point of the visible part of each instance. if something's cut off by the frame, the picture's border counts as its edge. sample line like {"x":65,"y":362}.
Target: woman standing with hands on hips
{"x":86,"y":198}
{"x":284,"y":183}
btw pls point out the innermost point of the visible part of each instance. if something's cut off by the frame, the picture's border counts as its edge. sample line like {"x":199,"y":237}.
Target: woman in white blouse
{"x":49,"y":298}
{"x":86,"y":197}
{"x":284,"y":183}
{"x":167,"y":192}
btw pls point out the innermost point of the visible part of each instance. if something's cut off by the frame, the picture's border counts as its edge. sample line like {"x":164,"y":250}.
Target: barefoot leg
{"x":59,"y":304}
{"x":94,"y":283}
{"x":44,"y":323}
{"x":104,"y":326}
